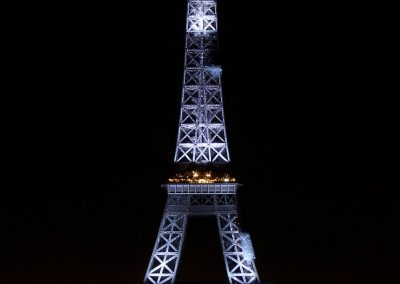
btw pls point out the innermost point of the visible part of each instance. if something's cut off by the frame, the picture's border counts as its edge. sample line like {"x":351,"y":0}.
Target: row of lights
{"x":197,"y":177}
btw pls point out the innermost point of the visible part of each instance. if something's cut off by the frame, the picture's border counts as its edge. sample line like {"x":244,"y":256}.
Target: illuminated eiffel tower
{"x":201,"y":144}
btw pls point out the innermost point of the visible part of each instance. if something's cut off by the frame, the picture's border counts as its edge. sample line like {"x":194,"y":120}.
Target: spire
{"x":202,"y":134}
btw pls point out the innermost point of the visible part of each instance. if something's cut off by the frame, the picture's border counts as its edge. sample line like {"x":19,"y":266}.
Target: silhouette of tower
{"x":201,"y":144}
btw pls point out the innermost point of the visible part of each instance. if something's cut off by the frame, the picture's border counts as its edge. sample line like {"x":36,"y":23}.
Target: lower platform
{"x":201,"y":188}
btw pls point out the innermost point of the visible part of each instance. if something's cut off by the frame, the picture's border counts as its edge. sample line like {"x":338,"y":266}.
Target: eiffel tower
{"x":200,"y":189}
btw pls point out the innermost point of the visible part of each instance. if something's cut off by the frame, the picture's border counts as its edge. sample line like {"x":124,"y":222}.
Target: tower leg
{"x":240,"y":269}
{"x":166,"y":254}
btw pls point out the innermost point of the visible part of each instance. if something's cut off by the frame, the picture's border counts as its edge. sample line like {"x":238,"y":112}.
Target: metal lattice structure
{"x":185,"y":200}
{"x":201,"y":140}
{"x":202,"y":134}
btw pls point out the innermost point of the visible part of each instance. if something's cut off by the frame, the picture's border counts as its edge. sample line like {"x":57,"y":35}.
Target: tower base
{"x":188,"y":199}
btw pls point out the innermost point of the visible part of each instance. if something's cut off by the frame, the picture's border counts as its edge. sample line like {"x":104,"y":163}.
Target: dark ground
{"x":91,"y":102}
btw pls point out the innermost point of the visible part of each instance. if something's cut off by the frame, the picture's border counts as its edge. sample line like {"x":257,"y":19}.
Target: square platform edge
{"x":201,"y":188}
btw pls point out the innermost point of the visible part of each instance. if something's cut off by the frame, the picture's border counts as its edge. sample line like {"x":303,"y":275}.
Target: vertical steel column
{"x":239,"y":268}
{"x":164,"y":261}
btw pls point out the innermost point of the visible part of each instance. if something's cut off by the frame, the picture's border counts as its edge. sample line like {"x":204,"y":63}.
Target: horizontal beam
{"x":198,"y":188}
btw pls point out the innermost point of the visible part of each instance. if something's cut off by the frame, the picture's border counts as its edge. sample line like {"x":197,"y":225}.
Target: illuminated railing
{"x":201,"y":177}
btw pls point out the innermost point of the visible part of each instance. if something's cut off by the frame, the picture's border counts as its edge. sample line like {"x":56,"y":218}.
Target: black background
{"x":91,"y":102}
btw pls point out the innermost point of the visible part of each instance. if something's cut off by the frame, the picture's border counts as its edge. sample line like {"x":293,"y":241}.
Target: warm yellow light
{"x":200,"y":177}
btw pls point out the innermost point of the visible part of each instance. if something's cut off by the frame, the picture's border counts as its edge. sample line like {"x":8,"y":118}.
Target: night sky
{"x":91,"y":103}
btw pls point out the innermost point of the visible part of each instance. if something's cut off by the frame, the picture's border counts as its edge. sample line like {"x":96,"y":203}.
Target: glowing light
{"x":200,"y":177}
{"x":215,"y":70}
{"x":248,"y":250}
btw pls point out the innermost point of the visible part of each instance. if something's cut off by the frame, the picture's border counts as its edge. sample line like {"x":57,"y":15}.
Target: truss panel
{"x":166,"y":254}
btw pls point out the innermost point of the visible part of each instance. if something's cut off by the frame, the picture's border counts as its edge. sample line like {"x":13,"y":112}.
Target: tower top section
{"x":202,"y":134}
{"x":201,"y":16}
